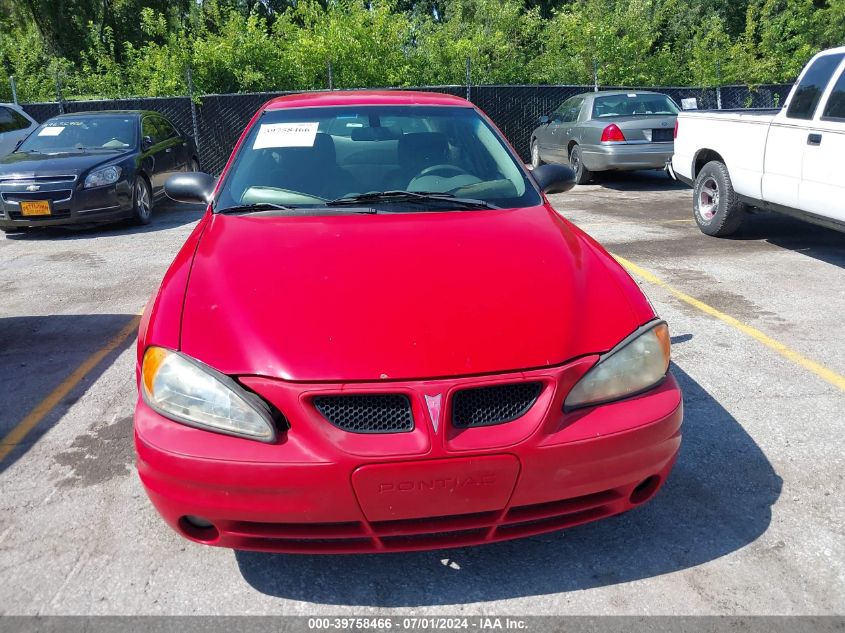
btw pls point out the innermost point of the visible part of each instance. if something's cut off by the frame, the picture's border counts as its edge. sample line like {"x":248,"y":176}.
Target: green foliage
{"x":367,"y":45}
{"x":780,"y":36}
{"x":499,"y":37}
{"x":121,"y":48}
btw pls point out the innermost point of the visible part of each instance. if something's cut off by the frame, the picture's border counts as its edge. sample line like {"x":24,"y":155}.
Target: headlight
{"x":635,"y":365}
{"x":104,"y":176}
{"x":190,"y":392}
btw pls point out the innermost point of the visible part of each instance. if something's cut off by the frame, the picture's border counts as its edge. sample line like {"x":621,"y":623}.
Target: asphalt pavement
{"x":750,"y":522}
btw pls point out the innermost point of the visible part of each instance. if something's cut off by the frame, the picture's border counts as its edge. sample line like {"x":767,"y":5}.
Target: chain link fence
{"x":219,"y":119}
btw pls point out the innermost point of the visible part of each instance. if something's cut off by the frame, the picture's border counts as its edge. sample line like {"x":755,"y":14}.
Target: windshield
{"x":74,"y":133}
{"x":304,"y":157}
{"x":633,"y":105}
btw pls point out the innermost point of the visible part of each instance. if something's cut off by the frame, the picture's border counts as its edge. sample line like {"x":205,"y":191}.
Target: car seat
{"x":415,"y":152}
{"x":309,"y":170}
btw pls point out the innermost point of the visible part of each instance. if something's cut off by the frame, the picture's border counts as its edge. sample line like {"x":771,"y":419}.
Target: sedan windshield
{"x":633,"y":105}
{"x":75,"y":133}
{"x":374,"y":156}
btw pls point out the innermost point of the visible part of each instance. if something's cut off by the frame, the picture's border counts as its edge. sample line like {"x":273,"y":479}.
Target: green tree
{"x":499,"y":37}
{"x":367,"y":44}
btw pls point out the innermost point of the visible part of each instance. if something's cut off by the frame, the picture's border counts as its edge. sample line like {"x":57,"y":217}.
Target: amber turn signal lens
{"x":153,"y":358}
{"x":662,"y":333}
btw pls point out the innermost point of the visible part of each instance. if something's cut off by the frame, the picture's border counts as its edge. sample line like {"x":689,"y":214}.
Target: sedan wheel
{"x":576,"y":161}
{"x":142,"y":202}
{"x":536,"y":161}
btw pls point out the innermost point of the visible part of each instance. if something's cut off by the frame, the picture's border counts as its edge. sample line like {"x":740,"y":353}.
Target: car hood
{"x":402,"y":296}
{"x":27,"y":164}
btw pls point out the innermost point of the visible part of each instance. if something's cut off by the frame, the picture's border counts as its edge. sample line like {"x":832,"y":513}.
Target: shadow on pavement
{"x":647,"y":180}
{"x":166,"y":215}
{"x":793,"y":234}
{"x":717,"y":500}
{"x":37,"y":354}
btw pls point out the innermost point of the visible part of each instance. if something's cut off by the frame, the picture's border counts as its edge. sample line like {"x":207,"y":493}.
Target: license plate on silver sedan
{"x":662,"y":135}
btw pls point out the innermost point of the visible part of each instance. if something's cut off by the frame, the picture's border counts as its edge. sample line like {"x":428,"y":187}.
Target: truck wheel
{"x":576,"y":161}
{"x":718,"y":211}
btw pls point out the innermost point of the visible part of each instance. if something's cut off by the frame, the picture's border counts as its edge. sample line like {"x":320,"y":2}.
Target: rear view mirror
{"x":194,"y":186}
{"x":554,"y":178}
{"x":543,"y":119}
{"x":147,"y":142}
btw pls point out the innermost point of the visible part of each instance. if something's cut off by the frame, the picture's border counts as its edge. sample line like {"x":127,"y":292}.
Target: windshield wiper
{"x":256,"y":206}
{"x":411,"y":196}
{"x":283,"y":210}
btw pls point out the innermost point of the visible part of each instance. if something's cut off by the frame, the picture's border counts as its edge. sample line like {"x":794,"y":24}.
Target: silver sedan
{"x":605,"y":131}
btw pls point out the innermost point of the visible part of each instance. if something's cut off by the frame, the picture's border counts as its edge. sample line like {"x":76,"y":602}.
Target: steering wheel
{"x":441,"y":170}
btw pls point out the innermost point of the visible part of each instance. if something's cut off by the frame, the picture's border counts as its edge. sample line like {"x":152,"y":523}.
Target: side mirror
{"x":194,"y":186}
{"x":543,"y":119}
{"x":147,"y":142}
{"x":554,"y":178}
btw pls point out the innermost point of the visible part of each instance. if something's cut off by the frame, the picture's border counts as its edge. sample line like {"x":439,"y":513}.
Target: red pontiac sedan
{"x":381,"y":337}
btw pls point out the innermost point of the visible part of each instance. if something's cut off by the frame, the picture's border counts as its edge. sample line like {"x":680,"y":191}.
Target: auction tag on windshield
{"x":51,"y":130}
{"x":286,"y":135}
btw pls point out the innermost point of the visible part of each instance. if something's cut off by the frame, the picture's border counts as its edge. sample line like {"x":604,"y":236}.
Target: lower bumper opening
{"x":645,"y":490}
{"x":199,"y":529}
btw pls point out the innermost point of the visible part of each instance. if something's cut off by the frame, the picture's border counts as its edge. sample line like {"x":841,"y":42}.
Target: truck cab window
{"x":809,"y":92}
{"x":835,"y":108}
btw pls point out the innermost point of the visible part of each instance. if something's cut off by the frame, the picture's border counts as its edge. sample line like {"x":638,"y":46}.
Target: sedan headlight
{"x":188,"y":391}
{"x":637,"y":364}
{"x":104,"y":176}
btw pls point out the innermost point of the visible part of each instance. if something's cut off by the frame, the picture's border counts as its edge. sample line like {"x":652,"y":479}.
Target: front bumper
{"x":626,"y":156}
{"x":70,"y":204}
{"x":323,"y":490}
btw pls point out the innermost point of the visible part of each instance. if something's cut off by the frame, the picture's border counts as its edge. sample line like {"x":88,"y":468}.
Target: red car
{"x":381,"y":337}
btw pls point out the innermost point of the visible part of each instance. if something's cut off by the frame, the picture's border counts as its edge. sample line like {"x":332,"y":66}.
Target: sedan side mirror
{"x":543,"y":119}
{"x":194,"y":186}
{"x":147,"y":142}
{"x":554,"y":178}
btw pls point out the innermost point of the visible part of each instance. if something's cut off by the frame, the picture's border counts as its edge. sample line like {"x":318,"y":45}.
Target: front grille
{"x":485,"y":406}
{"x":28,"y":180}
{"x":367,"y":413}
{"x":53,"y":196}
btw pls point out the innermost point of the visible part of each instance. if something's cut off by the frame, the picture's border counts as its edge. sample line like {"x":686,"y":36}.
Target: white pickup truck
{"x":791,"y":161}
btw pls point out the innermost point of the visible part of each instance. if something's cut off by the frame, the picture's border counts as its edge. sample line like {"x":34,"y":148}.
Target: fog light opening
{"x":198,"y":528}
{"x":645,"y":490}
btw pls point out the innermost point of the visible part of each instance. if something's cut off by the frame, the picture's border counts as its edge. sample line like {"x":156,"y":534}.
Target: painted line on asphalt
{"x":787,"y":352}
{"x":39,"y":412}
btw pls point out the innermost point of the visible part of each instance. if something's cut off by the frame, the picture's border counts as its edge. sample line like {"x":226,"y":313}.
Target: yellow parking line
{"x":818,"y":369}
{"x":17,"y":434}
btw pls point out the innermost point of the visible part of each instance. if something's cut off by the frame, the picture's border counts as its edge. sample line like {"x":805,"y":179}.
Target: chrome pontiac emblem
{"x":33,"y":188}
{"x":433,"y":404}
